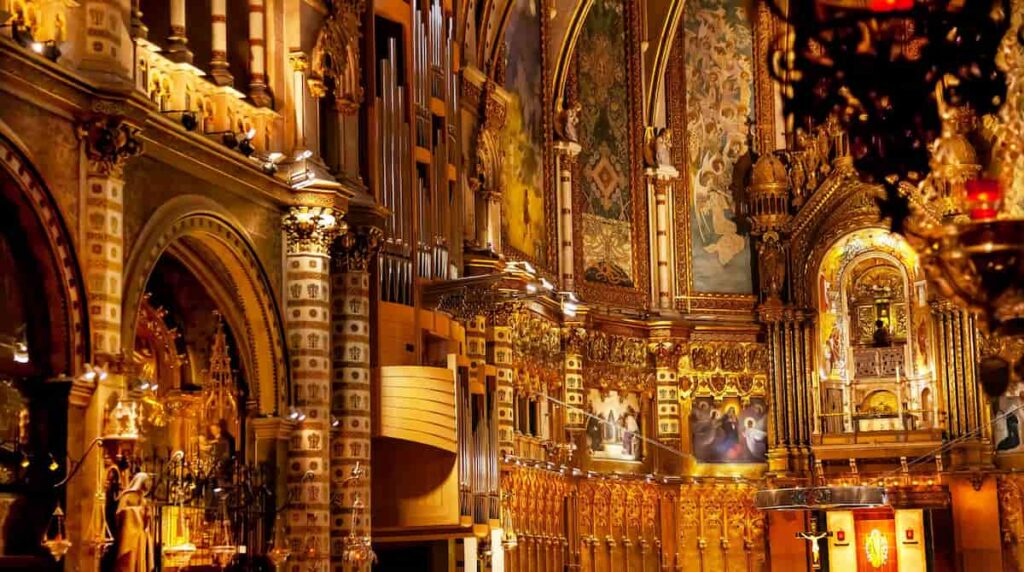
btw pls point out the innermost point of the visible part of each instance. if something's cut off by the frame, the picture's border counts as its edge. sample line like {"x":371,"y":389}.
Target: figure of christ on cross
{"x":813,"y":537}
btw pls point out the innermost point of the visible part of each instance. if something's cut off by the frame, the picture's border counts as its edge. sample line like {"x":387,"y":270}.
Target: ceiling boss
{"x":925,"y":91}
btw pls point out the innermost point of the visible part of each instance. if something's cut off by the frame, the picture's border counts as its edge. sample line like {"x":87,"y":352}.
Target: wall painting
{"x":729,"y":430}
{"x":523,"y":220}
{"x":719,"y":103}
{"x":614,"y":426}
{"x":606,"y":158}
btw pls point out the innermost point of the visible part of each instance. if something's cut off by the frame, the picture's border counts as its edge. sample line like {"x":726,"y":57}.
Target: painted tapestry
{"x":523,"y":200}
{"x":729,"y":430}
{"x":719,"y":103}
{"x":614,"y":426}
{"x":605,"y":161}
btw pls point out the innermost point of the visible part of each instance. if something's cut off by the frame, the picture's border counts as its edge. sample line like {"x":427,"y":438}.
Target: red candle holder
{"x":984,"y":197}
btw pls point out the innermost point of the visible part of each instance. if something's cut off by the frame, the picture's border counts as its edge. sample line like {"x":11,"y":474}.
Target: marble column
{"x":662,"y":224}
{"x":219,"y":69}
{"x":258,"y":54}
{"x":350,"y":387}
{"x":177,"y":41}
{"x":309,"y":232}
{"x":565,"y":156}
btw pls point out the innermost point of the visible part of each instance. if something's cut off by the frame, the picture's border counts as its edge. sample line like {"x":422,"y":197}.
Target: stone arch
{"x":54,"y":249}
{"x":204,"y":236}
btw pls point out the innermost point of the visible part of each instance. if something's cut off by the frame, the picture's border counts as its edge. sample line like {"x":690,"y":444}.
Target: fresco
{"x":606,"y":159}
{"x":523,"y":200}
{"x":727,"y":431}
{"x":614,"y":426}
{"x":719,"y":104}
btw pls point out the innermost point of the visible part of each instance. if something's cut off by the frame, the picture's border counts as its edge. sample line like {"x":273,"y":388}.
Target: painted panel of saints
{"x":727,"y":431}
{"x":614,"y":426}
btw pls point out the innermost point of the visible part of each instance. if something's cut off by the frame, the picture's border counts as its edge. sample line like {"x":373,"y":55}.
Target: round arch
{"x":51,"y":244}
{"x":204,"y":236}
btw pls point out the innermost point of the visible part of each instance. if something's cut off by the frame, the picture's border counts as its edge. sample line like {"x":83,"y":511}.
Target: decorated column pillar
{"x":501,"y":335}
{"x":309,"y":232}
{"x":107,"y":143}
{"x":177,"y":41}
{"x":565,"y":157}
{"x":219,"y":43}
{"x":666,"y":362}
{"x":575,"y":419}
{"x":659,"y":191}
{"x":350,"y":389}
{"x":258,"y":54}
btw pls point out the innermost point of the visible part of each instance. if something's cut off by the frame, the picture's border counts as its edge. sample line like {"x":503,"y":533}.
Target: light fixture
{"x":335,"y":422}
{"x":53,"y":466}
{"x":189,"y":120}
{"x":56,"y":538}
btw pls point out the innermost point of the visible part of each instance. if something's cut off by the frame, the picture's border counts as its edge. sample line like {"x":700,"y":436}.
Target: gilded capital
{"x":310,"y":230}
{"x":356,"y":248}
{"x":109,"y":143}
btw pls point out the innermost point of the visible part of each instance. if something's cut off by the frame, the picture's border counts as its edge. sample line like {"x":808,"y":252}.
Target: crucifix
{"x":813,"y":536}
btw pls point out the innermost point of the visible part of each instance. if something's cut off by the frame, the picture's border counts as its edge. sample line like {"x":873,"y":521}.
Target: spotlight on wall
{"x":296,"y":415}
{"x":188,"y":118}
{"x":335,"y":422}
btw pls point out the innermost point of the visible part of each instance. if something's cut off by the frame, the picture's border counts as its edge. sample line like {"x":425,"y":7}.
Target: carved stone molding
{"x":109,"y":142}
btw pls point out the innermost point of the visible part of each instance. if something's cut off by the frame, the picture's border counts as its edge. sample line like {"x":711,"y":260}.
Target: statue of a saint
{"x":134,"y":537}
{"x":663,"y":148}
{"x":570,"y":119}
{"x":772,"y":269}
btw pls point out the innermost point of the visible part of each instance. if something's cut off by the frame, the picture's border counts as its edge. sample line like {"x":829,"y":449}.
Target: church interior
{"x":512,"y":285}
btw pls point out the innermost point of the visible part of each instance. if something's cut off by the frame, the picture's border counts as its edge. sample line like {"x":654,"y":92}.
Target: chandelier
{"x":918,"y":87}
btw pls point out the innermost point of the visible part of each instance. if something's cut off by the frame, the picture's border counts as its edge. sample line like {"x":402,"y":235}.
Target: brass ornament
{"x":109,"y":142}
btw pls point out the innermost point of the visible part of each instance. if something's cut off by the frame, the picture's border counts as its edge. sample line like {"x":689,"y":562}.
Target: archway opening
{"x":873,"y":364}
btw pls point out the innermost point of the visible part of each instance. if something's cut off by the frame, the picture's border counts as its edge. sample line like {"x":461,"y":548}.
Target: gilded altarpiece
{"x":610,"y":222}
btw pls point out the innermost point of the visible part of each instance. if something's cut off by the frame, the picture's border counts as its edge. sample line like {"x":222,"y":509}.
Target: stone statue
{"x":134,"y":536}
{"x":570,"y":119}
{"x":663,"y":148}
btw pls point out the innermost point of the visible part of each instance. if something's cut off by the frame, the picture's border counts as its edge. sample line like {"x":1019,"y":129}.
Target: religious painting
{"x":1007,"y":419}
{"x":606,"y":158}
{"x":729,"y":430}
{"x":614,"y":426}
{"x":719,"y":103}
{"x":523,"y":134}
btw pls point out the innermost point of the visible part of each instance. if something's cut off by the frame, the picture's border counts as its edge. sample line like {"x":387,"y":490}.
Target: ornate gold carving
{"x":336,"y":56}
{"x":109,"y":142}
{"x":356,"y":248}
{"x":720,"y":369}
{"x":311,"y":229}
{"x":536,"y":352}
{"x":617,"y":362}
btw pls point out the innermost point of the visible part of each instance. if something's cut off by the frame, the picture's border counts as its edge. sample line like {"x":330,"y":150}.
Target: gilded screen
{"x":523,"y":200}
{"x":719,"y":103}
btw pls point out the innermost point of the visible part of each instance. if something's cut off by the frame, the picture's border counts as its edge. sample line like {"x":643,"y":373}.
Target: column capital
{"x":311,"y":229}
{"x":109,"y":142}
{"x":567,"y":149}
{"x":356,"y":248}
{"x":666,"y":352}
{"x":662,"y":173}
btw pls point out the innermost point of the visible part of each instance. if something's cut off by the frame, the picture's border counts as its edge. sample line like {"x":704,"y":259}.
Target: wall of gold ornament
{"x":537,"y":379}
{"x":723,"y":392}
{"x":618,"y":400}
